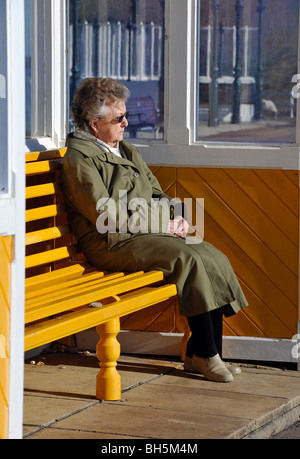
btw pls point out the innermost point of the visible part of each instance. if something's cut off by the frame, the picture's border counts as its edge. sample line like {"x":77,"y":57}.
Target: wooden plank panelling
{"x":253,"y":217}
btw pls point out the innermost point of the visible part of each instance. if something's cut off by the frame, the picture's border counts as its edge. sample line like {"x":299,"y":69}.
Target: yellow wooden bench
{"x":64,"y":294}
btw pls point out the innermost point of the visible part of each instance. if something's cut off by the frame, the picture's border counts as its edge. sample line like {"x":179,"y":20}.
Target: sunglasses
{"x":120,"y":118}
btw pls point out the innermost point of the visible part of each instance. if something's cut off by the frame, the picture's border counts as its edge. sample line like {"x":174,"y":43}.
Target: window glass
{"x":125,"y":41}
{"x":247,"y":70}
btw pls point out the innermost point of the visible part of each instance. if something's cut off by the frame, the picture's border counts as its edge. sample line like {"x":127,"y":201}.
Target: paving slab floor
{"x":159,"y":401}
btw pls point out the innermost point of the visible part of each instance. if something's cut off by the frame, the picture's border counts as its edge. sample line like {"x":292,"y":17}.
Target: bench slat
{"x":56,"y":328}
{"x":44,"y":212}
{"x":78,"y":296}
{"x":84,"y":285}
{"x":59,"y":275}
{"x":50,"y":256}
{"x":46,"y":154}
{"x":46,"y":234}
{"x":84,"y":281}
{"x":40,"y":167}
{"x":45,"y":189}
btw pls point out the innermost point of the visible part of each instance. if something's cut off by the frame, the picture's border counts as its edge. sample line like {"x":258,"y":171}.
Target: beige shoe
{"x":234,"y":369}
{"x":189,"y":367}
{"x":212,"y":368}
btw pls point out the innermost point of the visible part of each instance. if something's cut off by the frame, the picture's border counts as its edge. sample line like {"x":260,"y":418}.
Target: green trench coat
{"x":204,"y":277}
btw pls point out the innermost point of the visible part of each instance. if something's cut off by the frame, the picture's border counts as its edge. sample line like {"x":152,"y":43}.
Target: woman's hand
{"x":179,"y":227}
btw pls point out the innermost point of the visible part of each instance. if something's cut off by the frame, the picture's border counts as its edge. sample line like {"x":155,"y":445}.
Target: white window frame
{"x":48,"y":68}
{"x":181,"y":147}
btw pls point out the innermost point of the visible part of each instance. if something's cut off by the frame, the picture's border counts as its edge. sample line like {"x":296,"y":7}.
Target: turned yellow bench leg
{"x":185,"y":338}
{"x":108,"y":385}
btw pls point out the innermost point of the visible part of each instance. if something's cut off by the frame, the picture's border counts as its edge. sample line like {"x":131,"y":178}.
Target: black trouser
{"x":207,"y":333}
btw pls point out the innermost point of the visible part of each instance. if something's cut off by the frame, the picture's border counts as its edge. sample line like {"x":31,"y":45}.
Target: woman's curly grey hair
{"x":92,"y":97}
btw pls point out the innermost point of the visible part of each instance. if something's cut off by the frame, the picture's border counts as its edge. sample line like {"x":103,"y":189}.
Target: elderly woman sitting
{"x":101,"y":175}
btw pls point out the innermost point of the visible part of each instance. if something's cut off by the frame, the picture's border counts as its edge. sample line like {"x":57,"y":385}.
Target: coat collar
{"x":91,"y":149}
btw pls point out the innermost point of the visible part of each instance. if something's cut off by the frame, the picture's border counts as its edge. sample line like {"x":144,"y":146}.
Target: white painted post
{"x":15,"y":115}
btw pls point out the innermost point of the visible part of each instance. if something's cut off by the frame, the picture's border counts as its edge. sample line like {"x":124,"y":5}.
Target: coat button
{"x":136,"y":174}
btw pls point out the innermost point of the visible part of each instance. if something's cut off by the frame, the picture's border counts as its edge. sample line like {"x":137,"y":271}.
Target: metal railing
{"x":132,"y":52}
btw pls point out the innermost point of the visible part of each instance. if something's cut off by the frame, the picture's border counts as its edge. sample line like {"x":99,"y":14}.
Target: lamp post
{"x":96,"y":28}
{"x":129,"y":27}
{"x":214,"y":86}
{"x":238,"y":68}
{"x":75,"y":71}
{"x":221,"y":33}
{"x":259,"y":76}
{"x":132,"y":21}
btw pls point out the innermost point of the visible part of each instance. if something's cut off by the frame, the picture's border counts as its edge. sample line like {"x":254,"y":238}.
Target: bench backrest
{"x":48,"y":238}
{"x":142,"y":112}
